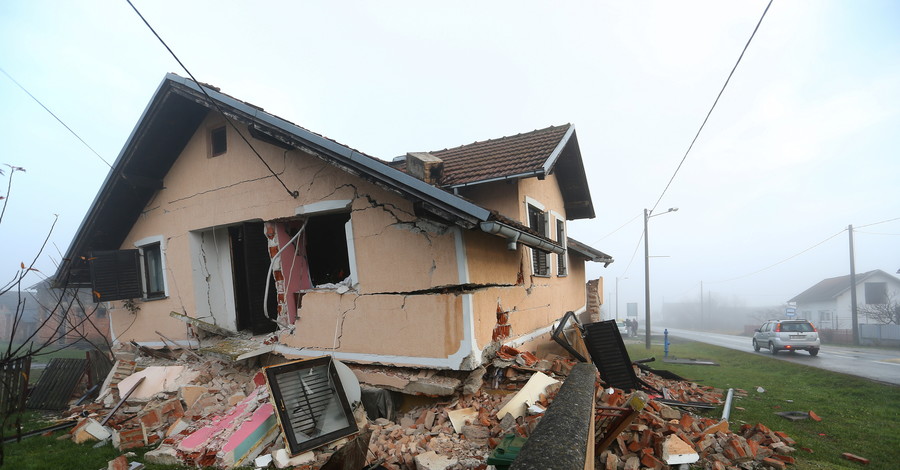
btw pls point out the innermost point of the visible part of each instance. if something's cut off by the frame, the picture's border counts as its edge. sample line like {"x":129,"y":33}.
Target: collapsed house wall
{"x":403,"y":289}
{"x":396,"y":254}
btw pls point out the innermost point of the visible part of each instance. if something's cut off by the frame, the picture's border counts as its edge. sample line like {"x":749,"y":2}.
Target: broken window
{"x":561,"y":259}
{"x":218,"y":141}
{"x":326,"y":248}
{"x":876,"y":293}
{"x":312,"y":407}
{"x":537,"y":220}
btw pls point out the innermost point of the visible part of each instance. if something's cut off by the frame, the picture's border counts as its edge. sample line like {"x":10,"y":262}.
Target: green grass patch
{"x":859,"y":416}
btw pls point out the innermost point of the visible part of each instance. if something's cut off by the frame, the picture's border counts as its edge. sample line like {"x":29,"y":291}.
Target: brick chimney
{"x":425,"y":167}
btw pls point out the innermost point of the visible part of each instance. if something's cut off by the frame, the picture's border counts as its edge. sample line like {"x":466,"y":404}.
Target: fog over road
{"x":879,"y":364}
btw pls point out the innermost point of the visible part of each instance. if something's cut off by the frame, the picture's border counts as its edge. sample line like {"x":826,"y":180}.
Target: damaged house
{"x":218,"y":211}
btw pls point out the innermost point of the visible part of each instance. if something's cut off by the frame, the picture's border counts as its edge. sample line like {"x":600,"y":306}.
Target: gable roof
{"x":172,"y":117}
{"x":537,"y":153}
{"x":830,"y":288}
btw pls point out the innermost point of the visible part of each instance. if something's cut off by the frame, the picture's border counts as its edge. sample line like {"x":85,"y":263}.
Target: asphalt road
{"x":878,"y":364}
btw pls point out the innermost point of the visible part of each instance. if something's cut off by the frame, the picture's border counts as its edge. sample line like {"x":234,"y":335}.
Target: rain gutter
{"x":515,"y":236}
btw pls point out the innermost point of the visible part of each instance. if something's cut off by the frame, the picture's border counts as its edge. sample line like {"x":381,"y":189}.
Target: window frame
{"x":882,"y":293}
{"x":142,"y":246}
{"x":214,"y":132}
{"x":562,"y":260}
{"x":544,"y":221}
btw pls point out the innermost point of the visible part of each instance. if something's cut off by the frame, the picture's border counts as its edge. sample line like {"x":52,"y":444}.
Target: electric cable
{"x":636,"y":248}
{"x":616,"y":230}
{"x":294,"y":194}
{"x":876,"y":223}
{"x":713,"y":106}
{"x":55,"y":117}
{"x":780,"y":262}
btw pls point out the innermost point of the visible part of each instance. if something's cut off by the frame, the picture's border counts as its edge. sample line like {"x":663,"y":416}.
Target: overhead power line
{"x":780,"y":262}
{"x":616,"y":230}
{"x":54,"y":116}
{"x":879,"y":223}
{"x":713,"y":107}
{"x":293,"y":194}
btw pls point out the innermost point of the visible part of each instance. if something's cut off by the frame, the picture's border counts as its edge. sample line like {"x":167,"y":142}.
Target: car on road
{"x":623,"y":328}
{"x":787,"y":335}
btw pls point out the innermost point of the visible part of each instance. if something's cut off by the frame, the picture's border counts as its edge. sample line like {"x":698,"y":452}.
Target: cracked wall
{"x":412,"y":299}
{"x":395,"y":252}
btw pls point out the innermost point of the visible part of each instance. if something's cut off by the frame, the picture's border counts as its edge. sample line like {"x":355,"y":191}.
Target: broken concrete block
{"x":118,"y":463}
{"x":130,"y":438}
{"x":283,"y":459}
{"x":432,"y":461}
{"x":157,"y":379}
{"x":675,"y":451}
{"x":179,"y":425}
{"x":190,"y":394}
{"x":263,"y":461}
{"x":458,"y":418}
{"x":163,"y":455}
{"x":476,"y":434}
{"x":530,"y":393}
{"x":90,"y":430}
{"x":236,"y":398}
{"x":474,"y":381}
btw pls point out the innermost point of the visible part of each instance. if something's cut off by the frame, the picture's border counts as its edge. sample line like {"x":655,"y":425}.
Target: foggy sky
{"x":802,"y":143}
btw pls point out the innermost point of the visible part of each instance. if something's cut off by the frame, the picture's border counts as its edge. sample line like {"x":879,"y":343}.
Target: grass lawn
{"x":50,"y":452}
{"x":858,"y":416}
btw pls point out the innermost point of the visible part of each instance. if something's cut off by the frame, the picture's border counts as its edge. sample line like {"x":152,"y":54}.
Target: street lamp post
{"x":617,"y":296}
{"x":647,"y":217}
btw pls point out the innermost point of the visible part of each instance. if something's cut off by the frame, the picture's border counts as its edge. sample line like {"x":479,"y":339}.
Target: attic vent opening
{"x":218,"y":141}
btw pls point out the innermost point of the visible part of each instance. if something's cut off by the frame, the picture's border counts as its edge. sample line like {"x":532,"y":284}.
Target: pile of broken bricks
{"x":218,"y":414}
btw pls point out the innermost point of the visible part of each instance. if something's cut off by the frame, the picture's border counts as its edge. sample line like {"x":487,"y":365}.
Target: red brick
{"x":785,"y":438}
{"x":814,"y":416}
{"x":785,"y":458}
{"x":150,"y":419}
{"x":686,"y":421}
{"x":118,"y":463}
{"x":774,"y":463}
{"x":650,"y":461}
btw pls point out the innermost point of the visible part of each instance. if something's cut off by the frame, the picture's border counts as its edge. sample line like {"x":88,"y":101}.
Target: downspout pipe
{"x":515,"y":235}
{"x":726,"y":412}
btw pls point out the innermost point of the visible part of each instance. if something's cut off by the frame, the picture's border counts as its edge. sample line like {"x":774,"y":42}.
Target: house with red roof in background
{"x":218,"y":216}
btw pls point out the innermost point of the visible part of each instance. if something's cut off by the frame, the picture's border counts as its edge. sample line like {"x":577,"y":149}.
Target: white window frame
{"x":529,"y":201}
{"x":333,"y":206}
{"x":140,"y":245}
{"x":557,"y":217}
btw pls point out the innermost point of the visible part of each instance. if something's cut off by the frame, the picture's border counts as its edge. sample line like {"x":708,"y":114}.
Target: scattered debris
{"x":813,"y":416}
{"x":794,"y":415}
{"x":201,"y":410}
{"x":855,"y":458}
{"x":694,"y":362}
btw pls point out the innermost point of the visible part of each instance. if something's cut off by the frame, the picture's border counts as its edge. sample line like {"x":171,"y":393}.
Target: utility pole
{"x":854,"y":314}
{"x":701,"y":303}
{"x":646,"y":281}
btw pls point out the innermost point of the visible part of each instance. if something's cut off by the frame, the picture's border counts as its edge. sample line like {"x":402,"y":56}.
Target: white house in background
{"x":827,"y":304}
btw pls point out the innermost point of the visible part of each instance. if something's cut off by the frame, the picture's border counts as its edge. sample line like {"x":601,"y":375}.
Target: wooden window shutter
{"x":116,"y":275}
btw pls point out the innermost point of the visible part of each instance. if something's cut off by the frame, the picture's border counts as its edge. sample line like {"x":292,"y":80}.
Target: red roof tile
{"x":500,"y":158}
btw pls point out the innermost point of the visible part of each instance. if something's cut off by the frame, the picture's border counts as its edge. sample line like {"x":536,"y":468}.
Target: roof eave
{"x":589,"y":252}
